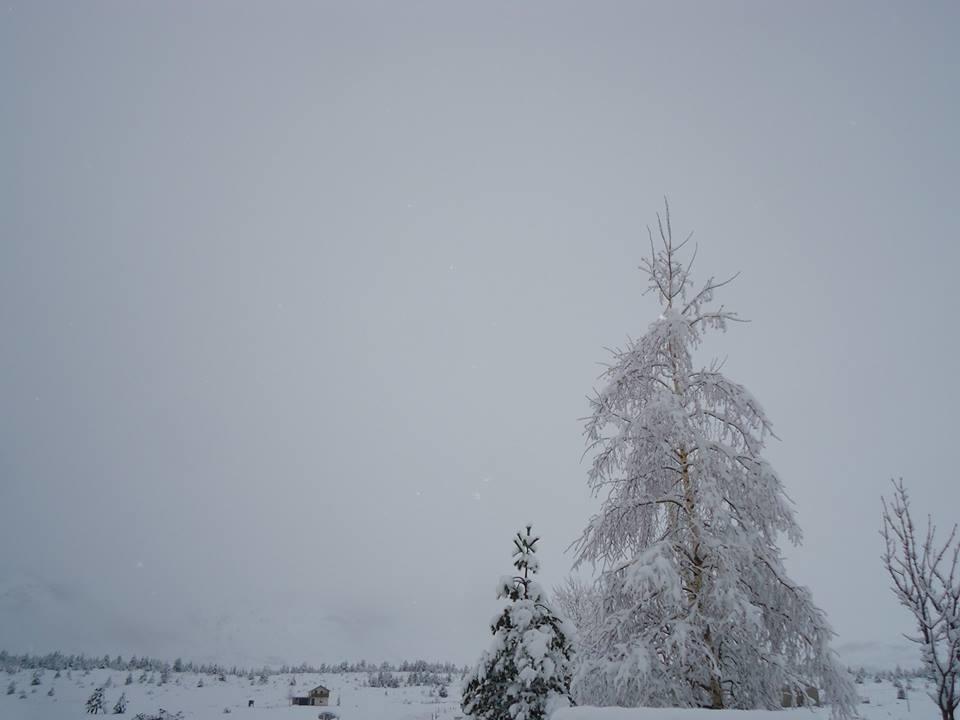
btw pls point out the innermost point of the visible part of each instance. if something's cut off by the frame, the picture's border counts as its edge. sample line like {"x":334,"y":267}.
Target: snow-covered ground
{"x":271,"y":701}
{"x":883,"y":705}
{"x":356,"y":701}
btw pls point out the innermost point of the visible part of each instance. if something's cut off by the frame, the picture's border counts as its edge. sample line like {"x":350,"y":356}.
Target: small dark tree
{"x":95,"y":702}
{"x":120,"y":707}
{"x":526,"y":672}
{"x":926,"y":581}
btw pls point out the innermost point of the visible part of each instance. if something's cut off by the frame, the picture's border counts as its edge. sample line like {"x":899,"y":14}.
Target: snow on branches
{"x":926,"y":581}
{"x":525,"y":674}
{"x":695,"y":606}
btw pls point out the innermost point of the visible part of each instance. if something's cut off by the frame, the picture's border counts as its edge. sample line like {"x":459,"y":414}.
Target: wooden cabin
{"x":318,"y":696}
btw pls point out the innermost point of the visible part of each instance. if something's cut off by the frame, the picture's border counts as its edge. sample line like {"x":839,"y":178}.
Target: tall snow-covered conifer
{"x":525,"y":674}
{"x":696,"y":608}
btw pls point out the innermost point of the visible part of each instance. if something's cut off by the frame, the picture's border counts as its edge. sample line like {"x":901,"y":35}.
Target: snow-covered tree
{"x":120,"y":707}
{"x":11,"y":688}
{"x":696,"y":608}
{"x":525,"y":673}
{"x":926,"y":581}
{"x":95,"y":702}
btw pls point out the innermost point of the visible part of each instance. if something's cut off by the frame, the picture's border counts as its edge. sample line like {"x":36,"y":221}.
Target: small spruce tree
{"x":525,"y":674}
{"x":121,"y":705}
{"x":11,"y":688}
{"x":95,"y":702}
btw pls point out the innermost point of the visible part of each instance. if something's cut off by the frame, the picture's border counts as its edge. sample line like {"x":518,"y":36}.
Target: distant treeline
{"x":10,"y":662}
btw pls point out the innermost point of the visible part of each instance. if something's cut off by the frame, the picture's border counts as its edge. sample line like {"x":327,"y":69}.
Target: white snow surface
{"x":358,"y":702}
{"x":883,"y":705}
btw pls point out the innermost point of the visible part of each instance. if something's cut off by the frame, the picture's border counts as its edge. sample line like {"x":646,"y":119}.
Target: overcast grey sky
{"x":300,"y":302}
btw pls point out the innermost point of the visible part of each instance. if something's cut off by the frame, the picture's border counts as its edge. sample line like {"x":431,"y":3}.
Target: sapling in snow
{"x":95,"y":702}
{"x":525,"y":674}
{"x":693,"y":605}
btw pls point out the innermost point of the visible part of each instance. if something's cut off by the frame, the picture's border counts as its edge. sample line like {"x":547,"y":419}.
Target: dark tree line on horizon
{"x":12,"y":662}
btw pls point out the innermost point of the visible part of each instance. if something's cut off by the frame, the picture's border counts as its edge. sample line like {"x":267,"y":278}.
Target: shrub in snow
{"x":50,"y":691}
{"x":95,"y":702}
{"x":162,"y":715}
{"x":37,"y":675}
{"x":120,"y":707}
{"x":694,"y":607}
{"x":129,"y":680}
{"x":11,"y":688}
{"x":525,"y":674}
{"x":22,"y":695}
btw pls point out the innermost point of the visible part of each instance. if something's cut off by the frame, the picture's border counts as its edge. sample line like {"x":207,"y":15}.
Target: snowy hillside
{"x":350,"y":698}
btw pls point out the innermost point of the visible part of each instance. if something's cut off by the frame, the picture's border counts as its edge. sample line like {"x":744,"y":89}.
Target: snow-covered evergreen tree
{"x":11,"y":688}
{"x":95,"y":702}
{"x":525,"y":673}
{"x":696,"y":608}
{"x":120,"y":707}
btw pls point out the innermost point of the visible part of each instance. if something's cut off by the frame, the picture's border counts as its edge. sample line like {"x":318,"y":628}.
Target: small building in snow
{"x":318,"y":696}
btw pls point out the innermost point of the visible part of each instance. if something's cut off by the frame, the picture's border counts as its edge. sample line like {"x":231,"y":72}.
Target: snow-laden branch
{"x":925,"y":581}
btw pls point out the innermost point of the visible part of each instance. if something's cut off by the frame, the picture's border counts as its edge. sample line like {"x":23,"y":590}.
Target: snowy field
{"x":357,"y":702}
{"x":883,"y":705}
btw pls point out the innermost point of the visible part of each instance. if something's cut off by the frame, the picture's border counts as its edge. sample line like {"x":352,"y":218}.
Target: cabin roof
{"x":319,"y":689}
